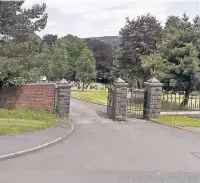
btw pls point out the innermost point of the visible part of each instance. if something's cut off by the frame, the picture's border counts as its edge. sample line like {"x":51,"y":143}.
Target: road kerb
{"x":37,"y":148}
{"x":173,"y":126}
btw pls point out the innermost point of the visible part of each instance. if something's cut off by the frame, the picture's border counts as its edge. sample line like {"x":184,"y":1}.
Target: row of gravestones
{"x":79,"y":85}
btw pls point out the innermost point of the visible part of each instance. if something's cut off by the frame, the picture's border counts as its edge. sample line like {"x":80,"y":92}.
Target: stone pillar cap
{"x":119,"y":80}
{"x":63,"y":81}
{"x":153,"y":80}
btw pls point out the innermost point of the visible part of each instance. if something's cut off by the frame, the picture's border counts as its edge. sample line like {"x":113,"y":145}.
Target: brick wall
{"x":30,"y":96}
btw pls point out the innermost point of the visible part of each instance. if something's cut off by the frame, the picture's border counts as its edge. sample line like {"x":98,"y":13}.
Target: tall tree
{"x":139,"y":37}
{"x":19,"y":24}
{"x":54,"y":62}
{"x":18,"y":41}
{"x":177,"y":62}
{"x":85,"y":67}
{"x":50,"y":39}
{"x":74,"y":46}
{"x":103,"y":54}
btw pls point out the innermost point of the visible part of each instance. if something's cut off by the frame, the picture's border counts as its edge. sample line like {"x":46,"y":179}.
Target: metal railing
{"x":172,"y":101}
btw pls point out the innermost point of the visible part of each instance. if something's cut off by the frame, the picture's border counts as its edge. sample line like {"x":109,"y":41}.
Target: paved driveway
{"x":101,"y":151}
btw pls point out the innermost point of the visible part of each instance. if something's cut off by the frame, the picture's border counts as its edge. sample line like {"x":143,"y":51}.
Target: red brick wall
{"x":30,"y":96}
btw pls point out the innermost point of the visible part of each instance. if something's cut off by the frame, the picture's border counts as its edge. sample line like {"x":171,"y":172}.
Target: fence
{"x":178,"y":102}
{"x":110,"y":101}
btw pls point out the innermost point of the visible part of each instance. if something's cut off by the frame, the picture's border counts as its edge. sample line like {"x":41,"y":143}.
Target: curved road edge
{"x":174,"y":126}
{"x":38,"y":148}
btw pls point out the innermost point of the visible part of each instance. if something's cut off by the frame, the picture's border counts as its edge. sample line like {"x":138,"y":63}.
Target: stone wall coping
{"x":121,"y":85}
{"x":64,"y":85}
{"x":153,"y":84}
{"x":36,"y":84}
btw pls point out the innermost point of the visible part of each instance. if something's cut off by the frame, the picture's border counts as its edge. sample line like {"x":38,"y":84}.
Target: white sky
{"x":88,"y":18}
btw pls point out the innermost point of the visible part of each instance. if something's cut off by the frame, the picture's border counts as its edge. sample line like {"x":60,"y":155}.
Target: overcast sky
{"x":88,"y":18}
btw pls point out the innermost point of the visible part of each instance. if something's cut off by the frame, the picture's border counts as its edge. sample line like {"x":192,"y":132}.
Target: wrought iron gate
{"x":135,"y":103}
{"x":110,"y":101}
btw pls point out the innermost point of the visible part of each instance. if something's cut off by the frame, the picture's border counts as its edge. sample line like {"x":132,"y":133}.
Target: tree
{"x":19,"y":42}
{"x":115,"y":71}
{"x":17,"y":63}
{"x":85,"y":67}
{"x":139,"y":37}
{"x":50,"y":39}
{"x":60,"y":59}
{"x":74,"y":46}
{"x":54,"y":62}
{"x":154,"y":63}
{"x":19,"y":24}
{"x":177,"y":63}
{"x":103,"y":54}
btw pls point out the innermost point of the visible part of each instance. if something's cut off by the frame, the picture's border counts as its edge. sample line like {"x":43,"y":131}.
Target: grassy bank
{"x":182,"y":121}
{"x":99,"y":97}
{"x":20,"y":121}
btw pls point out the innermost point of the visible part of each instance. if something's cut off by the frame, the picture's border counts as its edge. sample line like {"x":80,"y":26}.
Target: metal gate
{"x":135,"y":103}
{"x":110,"y":101}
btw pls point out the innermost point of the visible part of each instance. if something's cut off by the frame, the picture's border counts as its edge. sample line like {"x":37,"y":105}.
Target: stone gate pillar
{"x":153,"y":98}
{"x":63,"y":101}
{"x":119,"y":100}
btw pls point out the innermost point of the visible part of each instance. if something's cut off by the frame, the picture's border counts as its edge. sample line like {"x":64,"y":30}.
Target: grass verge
{"x":99,"y":97}
{"x":181,"y":121}
{"x":19,"y":121}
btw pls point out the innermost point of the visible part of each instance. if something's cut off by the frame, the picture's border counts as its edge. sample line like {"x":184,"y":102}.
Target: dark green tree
{"x":139,"y":37}
{"x":177,"y":63}
{"x":50,"y":39}
{"x":103,"y":54}
{"x":19,"y":24}
{"x":19,"y":42}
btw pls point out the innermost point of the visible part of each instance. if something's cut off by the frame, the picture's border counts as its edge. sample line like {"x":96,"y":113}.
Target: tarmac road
{"x":103,"y":151}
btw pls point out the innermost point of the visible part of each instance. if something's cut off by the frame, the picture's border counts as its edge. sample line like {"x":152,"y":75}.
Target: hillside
{"x":113,"y":40}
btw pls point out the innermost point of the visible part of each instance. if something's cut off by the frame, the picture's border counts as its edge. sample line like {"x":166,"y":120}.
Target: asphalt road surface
{"x":102,"y":151}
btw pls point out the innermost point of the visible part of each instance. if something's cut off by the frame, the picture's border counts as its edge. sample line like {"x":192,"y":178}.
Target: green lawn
{"x":99,"y":97}
{"x":20,"y":121}
{"x":182,"y":121}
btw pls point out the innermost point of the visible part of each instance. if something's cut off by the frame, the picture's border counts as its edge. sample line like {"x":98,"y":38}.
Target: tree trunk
{"x":186,"y":99}
{"x":83,"y":86}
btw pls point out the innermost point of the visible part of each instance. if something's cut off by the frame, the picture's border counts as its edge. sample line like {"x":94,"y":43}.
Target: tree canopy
{"x":177,"y":61}
{"x":103,"y":53}
{"x":18,"y":41}
{"x":85,"y":67}
{"x":171,"y":53}
{"x":18,"y":24}
{"x":62,"y":59}
{"x":50,"y":39}
{"x":139,"y":37}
